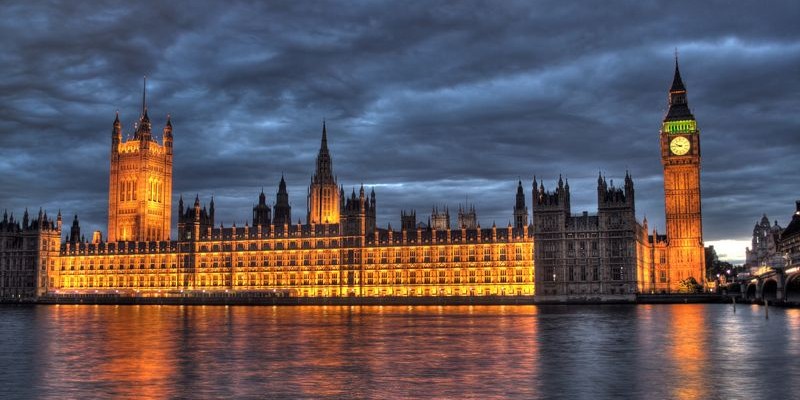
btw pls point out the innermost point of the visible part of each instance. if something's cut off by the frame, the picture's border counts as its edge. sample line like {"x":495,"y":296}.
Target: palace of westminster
{"x":341,"y":250}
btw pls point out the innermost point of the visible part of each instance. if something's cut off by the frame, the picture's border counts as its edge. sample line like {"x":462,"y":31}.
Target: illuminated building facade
{"x":309,"y":260}
{"x":347,"y":256}
{"x":140,"y":183}
{"x":680,"y":155}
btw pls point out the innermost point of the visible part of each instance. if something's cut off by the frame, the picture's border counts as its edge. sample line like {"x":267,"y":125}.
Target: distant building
{"x":440,"y":219}
{"x":467,"y":217}
{"x":764,"y":251}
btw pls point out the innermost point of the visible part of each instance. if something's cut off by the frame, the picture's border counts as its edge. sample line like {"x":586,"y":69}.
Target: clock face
{"x":679,"y":146}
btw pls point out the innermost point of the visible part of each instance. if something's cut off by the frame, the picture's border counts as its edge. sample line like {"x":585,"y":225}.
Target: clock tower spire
{"x":680,"y":156}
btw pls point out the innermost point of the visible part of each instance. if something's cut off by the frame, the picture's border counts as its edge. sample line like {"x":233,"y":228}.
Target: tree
{"x":689,"y":285}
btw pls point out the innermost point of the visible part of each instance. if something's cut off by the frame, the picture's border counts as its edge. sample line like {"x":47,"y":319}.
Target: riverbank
{"x":266,"y":300}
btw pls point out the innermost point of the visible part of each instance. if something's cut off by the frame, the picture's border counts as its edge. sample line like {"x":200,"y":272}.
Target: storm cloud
{"x":427,"y":102}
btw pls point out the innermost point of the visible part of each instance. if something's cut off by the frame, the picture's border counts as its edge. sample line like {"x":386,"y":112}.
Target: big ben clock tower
{"x":680,"y":155}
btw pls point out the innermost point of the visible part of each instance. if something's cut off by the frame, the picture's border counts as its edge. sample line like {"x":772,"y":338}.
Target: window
{"x":617,"y":273}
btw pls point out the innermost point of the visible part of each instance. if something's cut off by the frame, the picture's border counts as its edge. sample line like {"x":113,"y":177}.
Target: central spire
{"x":324,"y":171}
{"x":324,"y":144}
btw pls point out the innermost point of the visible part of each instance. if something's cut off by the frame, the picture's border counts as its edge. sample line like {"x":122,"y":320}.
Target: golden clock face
{"x":679,"y":146}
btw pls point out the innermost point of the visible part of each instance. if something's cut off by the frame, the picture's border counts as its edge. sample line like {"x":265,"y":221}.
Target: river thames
{"x":645,"y":351}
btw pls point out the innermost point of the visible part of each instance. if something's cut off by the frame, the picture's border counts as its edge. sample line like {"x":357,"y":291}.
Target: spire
{"x":324,"y":170}
{"x":324,"y":143}
{"x":144,"y":94}
{"x":116,"y":119}
{"x":678,"y":105}
{"x":282,"y":185}
{"x":677,"y":82}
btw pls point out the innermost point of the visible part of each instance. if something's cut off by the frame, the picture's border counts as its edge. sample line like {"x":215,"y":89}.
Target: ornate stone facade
{"x":588,"y":257}
{"x":140,"y":183}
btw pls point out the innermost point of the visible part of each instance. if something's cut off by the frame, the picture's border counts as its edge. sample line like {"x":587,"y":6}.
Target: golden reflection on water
{"x":689,"y":350}
{"x":313,"y":352}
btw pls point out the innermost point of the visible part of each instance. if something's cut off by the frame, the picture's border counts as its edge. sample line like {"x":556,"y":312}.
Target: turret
{"x":520,"y":209}
{"x":211,"y":211}
{"x":408,"y":221}
{"x":629,"y":187}
{"x":116,"y":134}
{"x":167,"y":136}
{"x":282,"y":210}
{"x":75,"y":231}
{"x":261,"y":212}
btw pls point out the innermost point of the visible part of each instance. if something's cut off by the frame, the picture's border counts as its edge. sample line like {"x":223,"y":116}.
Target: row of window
{"x":304,"y":279}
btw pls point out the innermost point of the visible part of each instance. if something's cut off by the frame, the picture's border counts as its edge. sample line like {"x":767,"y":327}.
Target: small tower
{"x":440,"y":219}
{"x":261,"y":212}
{"x":520,"y":209}
{"x":283,"y":211}
{"x":408,"y":221}
{"x":75,"y":231}
{"x":467,"y":217}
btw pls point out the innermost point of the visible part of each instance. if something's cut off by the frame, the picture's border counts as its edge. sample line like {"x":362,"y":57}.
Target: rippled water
{"x":652,"y":352}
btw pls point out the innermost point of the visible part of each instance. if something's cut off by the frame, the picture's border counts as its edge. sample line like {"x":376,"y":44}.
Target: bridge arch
{"x":769,"y":290}
{"x":793,"y":288}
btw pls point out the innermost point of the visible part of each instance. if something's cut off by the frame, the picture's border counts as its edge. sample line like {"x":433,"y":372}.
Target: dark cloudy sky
{"x":428,"y":102}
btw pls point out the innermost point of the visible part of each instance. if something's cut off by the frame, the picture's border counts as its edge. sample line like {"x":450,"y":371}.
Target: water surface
{"x":646,"y":351}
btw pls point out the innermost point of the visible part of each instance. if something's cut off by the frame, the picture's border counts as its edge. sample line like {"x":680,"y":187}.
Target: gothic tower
{"x":140,"y":182}
{"x":323,"y":193}
{"x":520,"y":209}
{"x":680,"y":155}
{"x":282,"y":212}
{"x":261,"y":212}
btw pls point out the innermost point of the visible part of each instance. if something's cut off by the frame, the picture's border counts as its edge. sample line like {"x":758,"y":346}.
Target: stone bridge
{"x":774,"y":285}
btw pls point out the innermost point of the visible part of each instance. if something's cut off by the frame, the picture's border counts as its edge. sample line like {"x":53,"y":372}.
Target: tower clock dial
{"x":679,"y":146}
